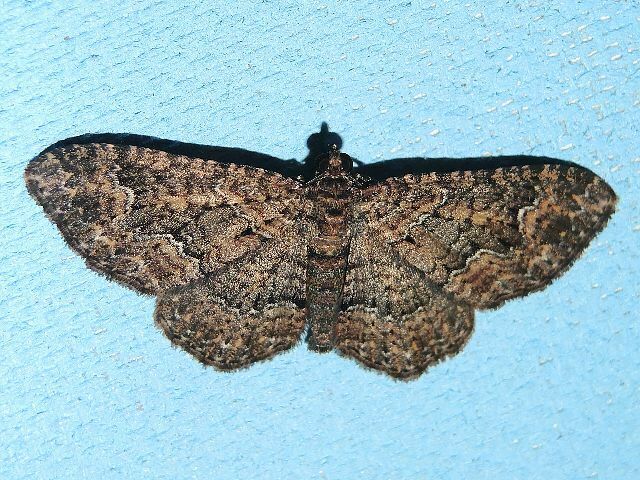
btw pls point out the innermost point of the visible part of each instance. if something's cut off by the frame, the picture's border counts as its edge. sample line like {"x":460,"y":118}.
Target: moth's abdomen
{"x":326,"y":265}
{"x":327,"y":255}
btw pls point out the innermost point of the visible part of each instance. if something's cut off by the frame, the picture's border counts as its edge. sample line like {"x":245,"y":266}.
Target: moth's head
{"x":334,"y":163}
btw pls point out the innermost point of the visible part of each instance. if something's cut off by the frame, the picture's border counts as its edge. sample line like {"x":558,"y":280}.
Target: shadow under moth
{"x":383,"y":262}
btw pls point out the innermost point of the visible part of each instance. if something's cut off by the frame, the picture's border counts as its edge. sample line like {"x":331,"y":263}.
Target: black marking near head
{"x":322,"y":141}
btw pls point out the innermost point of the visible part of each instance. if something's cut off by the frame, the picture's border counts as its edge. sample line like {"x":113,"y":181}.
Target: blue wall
{"x":548,"y":385}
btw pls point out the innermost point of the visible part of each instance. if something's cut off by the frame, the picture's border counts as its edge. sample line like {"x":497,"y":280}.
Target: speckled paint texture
{"x":546,"y":388}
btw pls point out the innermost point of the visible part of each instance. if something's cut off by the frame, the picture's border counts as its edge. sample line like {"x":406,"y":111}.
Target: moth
{"x":385,"y":262}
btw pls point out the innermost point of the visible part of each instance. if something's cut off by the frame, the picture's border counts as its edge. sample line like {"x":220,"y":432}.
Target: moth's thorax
{"x":333,"y":164}
{"x":330,"y":193}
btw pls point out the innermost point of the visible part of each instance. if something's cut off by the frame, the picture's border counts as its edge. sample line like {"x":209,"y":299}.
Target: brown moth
{"x":384,"y":263}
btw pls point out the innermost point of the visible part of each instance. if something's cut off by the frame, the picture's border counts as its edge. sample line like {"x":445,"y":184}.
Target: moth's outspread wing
{"x":250,"y":310}
{"x":486,"y":236}
{"x":394,"y":319}
{"x":224,"y":247}
{"x":152,"y":220}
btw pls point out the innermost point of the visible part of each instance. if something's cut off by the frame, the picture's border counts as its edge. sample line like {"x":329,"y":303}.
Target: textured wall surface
{"x":548,"y":387}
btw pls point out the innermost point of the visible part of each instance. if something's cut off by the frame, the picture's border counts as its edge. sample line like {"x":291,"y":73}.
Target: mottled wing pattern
{"x":394,"y":319}
{"x":487,"y":236}
{"x":223,"y":246}
{"x":249,"y":310}
{"x":428,"y":249}
{"x":153,"y":220}
{"x":220,"y":244}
